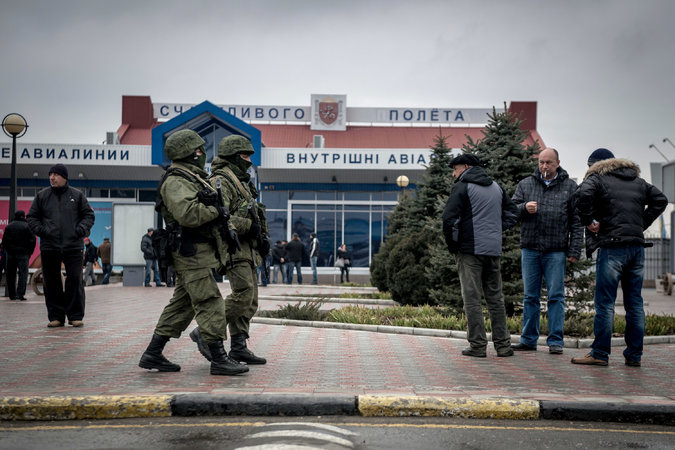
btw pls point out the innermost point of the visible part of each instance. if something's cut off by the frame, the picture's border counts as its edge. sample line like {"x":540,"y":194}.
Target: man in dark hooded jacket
{"x":477,"y":212}
{"x":616,"y":206}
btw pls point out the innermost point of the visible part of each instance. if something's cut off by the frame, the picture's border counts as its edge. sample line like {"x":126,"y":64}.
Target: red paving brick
{"x":102,"y":358}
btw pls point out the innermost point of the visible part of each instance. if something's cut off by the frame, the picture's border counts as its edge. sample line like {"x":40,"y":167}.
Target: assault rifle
{"x":263,"y":242}
{"x":229,"y":236}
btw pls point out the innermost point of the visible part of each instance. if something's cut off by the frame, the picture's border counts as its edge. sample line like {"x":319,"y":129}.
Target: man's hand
{"x":572,"y":259}
{"x":531,"y":207}
{"x":594,"y":227}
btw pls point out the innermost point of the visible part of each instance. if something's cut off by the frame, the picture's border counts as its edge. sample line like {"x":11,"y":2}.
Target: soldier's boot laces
{"x":152,"y":358}
{"x":221,"y":364}
{"x":196,"y":337}
{"x":243,"y":354}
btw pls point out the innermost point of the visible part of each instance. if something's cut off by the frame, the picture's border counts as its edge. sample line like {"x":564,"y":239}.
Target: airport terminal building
{"x":323,"y":167}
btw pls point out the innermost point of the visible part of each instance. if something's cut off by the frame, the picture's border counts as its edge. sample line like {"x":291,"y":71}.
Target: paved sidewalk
{"x":305,"y":363}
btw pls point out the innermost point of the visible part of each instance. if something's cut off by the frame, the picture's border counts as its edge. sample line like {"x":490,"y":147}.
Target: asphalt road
{"x":336,"y":432}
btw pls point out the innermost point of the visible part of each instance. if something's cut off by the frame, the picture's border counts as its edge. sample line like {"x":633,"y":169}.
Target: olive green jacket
{"x":237,"y":204}
{"x":180,"y":204}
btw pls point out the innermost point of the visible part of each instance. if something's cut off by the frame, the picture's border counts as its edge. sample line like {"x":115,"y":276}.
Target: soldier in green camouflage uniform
{"x":248,"y":218}
{"x":189,"y":201}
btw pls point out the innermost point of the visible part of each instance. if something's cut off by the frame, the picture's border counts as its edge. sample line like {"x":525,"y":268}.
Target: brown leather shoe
{"x":76,"y":323}
{"x":589,"y":360}
{"x":55,"y":323}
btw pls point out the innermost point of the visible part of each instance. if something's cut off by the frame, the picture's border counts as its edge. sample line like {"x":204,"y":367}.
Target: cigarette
{"x":545,"y":173}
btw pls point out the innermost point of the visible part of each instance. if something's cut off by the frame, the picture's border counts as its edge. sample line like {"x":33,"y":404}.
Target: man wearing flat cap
{"x":616,"y":206}
{"x":61,"y":217}
{"x":477,"y":212}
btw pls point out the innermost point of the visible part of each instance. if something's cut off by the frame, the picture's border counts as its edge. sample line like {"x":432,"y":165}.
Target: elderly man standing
{"x":616,"y":206}
{"x":550,"y":234}
{"x":61,"y":217}
{"x":477,"y":212}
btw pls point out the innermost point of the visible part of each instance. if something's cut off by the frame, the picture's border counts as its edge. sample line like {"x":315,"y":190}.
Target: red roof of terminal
{"x":138,"y":121}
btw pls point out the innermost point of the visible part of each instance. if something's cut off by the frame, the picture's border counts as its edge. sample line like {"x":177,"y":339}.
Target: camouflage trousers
{"x":196,"y":296}
{"x":242,"y":303}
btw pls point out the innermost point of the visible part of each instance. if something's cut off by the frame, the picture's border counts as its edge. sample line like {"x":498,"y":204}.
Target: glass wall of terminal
{"x":356,"y":219}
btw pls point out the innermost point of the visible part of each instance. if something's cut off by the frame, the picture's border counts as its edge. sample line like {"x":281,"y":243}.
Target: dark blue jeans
{"x":624,"y":264}
{"x":297,"y":265}
{"x":537,"y":266}
{"x":107,"y":270}
{"x":17,"y":264}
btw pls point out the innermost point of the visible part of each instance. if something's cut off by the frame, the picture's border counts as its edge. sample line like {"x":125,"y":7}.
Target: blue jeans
{"x":297,"y":265}
{"x":151,"y":264}
{"x":314,"y":260}
{"x":625,"y":264}
{"x":537,"y":266}
{"x":107,"y":270}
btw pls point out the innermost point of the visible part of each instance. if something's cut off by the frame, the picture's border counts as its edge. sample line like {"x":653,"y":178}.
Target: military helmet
{"x":233,"y":144}
{"x":182,"y":144}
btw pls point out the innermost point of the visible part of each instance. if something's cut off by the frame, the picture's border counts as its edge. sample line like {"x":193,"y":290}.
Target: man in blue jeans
{"x":550,"y":235}
{"x":150,"y":259}
{"x":616,"y":206}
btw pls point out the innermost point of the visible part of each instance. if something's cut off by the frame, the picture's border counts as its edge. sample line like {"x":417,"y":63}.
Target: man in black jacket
{"x":19,"y":243}
{"x":477,"y":212}
{"x":616,"y":206}
{"x":550,"y":235}
{"x":295,"y":250}
{"x":61,"y":216}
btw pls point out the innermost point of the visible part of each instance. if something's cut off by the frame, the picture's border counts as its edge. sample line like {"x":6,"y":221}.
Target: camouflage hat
{"x":182,"y":144}
{"x":233,"y":144}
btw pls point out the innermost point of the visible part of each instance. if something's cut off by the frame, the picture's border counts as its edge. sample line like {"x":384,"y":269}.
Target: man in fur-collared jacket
{"x":616,"y":206}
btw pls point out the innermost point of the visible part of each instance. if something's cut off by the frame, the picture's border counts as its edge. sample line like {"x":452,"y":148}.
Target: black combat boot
{"x":241,"y":353}
{"x":221,"y":364}
{"x":153,"y":358}
{"x":196,"y":337}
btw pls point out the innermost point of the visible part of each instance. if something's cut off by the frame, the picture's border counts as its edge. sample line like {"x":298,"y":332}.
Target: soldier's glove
{"x":232,"y":242}
{"x":264,"y":243}
{"x":254,"y":231}
{"x":208,"y":197}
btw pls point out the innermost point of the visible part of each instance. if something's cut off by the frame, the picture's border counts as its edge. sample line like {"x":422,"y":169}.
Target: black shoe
{"x":23,"y":299}
{"x":240,"y":353}
{"x":633,"y":363}
{"x":152,"y":358}
{"x":196,"y":337}
{"x":160,"y":285}
{"x":221,"y":364}
{"x":505,"y":353}
{"x":555,"y":349}
{"x":523,"y":348}
{"x":475,"y":353}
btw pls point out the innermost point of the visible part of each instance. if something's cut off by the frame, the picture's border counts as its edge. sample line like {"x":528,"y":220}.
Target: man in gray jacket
{"x":550,"y":235}
{"x":477,"y":212}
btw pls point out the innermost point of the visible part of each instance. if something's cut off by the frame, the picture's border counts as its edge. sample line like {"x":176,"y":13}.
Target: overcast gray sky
{"x":601,"y":71}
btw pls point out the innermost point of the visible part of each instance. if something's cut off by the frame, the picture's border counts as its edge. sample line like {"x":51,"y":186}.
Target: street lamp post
{"x":402,"y":181}
{"x":14,"y":125}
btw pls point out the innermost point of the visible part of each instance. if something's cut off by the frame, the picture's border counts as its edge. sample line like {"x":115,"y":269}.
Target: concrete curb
{"x":189,"y":405}
{"x":570,"y":342}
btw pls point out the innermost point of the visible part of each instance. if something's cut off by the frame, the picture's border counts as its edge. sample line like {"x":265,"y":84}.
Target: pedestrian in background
{"x":103,"y":252}
{"x":3,"y":258}
{"x":61,"y":217}
{"x":616,"y":206}
{"x":277,"y":261}
{"x":314,"y":250}
{"x":19,"y":245}
{"x":477,"y":212}
{"x":295,"y":250}
{"x":284,"y":261}
{"x":550,"y":235}
{"x":344,"y":262}
{"x":150,"y":259}
{"x":89,"y":259}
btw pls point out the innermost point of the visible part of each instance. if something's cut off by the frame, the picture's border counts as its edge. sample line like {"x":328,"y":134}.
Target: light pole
{"x":657,"y":149}
{"x":669,"y":141}
{"x":14,"y":125}
{"x":402,"y":181}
